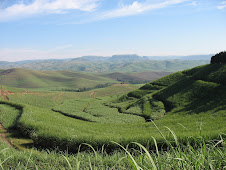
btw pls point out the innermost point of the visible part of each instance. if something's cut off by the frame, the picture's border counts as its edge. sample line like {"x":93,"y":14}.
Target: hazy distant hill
{"x":141,"y":77}
{"x":52,"y":80}
{"x":91,"y":58}
{"x":190,"y":57}
{"x":23,"y":78}
{"x":116,"y":63}
{"x":132,"y":57}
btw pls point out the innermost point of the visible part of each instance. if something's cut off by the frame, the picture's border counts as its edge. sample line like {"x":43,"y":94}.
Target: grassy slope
{"x":48,"y":128}
{"x":23,"y":78}
{"x":197,"y":90}
{"x":57,"y":80}
{"x":136,"y":77}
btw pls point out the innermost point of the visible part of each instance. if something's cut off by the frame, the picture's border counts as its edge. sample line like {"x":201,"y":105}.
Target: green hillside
{"x":181,"y":113}
{"x":50,"y":80}
{"x":198,"y":90}
{"x":141,"y":77}
{"x":68,"y":80}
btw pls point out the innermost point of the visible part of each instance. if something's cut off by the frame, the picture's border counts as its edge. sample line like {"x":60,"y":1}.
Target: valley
{"x":182,"y":109}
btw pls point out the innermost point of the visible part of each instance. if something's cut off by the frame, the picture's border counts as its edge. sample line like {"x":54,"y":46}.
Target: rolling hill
{"x":136,"y":78}
{"x":51,"y":80}
{"x":194,"y":91}
{"x":184,"y":111}
{"x":68,"y":80}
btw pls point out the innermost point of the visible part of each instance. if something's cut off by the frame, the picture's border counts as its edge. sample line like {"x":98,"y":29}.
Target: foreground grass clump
{"x":194,"y":154}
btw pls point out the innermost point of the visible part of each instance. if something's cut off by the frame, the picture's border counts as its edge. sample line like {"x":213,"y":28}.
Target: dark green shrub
{"x":219,"y":58}
{"x":150,"y":86}
{"x":138,"y":93}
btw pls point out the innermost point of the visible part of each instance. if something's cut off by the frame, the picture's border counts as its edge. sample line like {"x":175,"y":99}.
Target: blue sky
{"x":46,"y":29}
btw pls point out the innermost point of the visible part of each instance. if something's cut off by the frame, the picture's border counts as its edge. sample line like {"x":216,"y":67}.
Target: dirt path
{"x":122,"y":84}
{"x":5,"y":97}
{"x":3,"y":136}
{"x":92,"y":94}
{"x":4,"y":93}
{"x":54,"y":99}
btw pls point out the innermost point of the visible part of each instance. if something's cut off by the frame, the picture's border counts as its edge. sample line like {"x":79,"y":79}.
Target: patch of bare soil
{"x":3,"y":136}
{"x":5,"y":97}
{"x":122,"y":84}
{"x":4,"y":93}
{"x":25,"y":92}
{"x":54,"y":99}
{"x":6,"y":72}
{"x":92,"y":94}
{"x":28,"y":92}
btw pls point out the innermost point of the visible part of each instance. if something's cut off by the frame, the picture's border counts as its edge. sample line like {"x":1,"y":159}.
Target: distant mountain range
{"x":189,"y":57}
{"x":135,"y":57}
{"x":116,"y":63}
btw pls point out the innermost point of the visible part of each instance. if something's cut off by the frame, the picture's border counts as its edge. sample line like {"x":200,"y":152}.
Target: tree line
{"x":219,"y":58}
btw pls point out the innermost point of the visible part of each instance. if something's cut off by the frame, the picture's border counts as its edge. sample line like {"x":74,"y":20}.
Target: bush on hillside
{"x":138,"y":93}
{"x":219,"y":58}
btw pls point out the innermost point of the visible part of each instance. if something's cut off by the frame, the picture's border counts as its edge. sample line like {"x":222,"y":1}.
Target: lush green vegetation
{"x":137,"y":77}
{"x":9,"y":115}
{"x":219,"y":58}
{"x":70,"y":81}
{"x":190,"y":104}
{"x":51,"y":80}
{"x":76,"y":116}
{"x":93,"y":110}
{"x":195,"y":155}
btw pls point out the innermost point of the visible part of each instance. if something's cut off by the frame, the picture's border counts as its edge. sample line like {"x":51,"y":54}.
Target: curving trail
{"x":54,"y":99}
{"x":4,"y":93}
{"x":92,"y":94}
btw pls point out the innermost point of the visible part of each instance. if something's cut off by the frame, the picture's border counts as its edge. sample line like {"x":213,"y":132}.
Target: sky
{"x":57,"y":29}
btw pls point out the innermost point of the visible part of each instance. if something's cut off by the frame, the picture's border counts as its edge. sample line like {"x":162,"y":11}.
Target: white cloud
{"x":137,"y":8}
{"x":194,"y":3}
{"x":46,"y":6}
{"x":222,"y":6}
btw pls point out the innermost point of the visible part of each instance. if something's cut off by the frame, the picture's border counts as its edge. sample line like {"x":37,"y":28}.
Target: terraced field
{"x":65,"y":120}
{"x":190,"y":103}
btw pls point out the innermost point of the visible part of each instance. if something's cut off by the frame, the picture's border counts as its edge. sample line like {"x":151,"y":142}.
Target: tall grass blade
{"x":148,"y":155}
{"x":174,"y":136}
{"x":133,"y":162}
{"x":4,"y":161}
{"x":158,"y":130}
{"x":78,"y":164}
{"x":28,"y":160}
{"x":182,"y":126}
{"x":156,"y":146}
{"x":114,"y":167}
{"x":67,"y":162}
{"x":91,"y":148}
